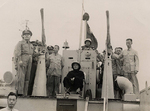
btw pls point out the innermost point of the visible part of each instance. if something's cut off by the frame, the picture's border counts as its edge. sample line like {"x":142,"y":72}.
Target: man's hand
{"x":16,"y":67}
{"x":84,"y":81}
{"x":135,"y":71}
{"x":73,"y":78}
{"x":60,"y":78}
{"x":21,"y":63}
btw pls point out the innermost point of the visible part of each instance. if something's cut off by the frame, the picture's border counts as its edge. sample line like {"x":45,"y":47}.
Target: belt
{"x":27,"y":54}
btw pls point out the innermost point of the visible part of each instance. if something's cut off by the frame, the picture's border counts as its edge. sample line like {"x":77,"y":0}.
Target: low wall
{"x":145,"y":99}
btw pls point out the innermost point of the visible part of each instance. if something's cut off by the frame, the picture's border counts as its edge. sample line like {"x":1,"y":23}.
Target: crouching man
{"x":74,"y":79}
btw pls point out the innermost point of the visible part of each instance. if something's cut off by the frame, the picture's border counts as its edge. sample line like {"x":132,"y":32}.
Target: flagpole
{"x":80,"y":38}
{"x":85,"y":30}
{"x":105,"y":106}
{"x":81,"y":25}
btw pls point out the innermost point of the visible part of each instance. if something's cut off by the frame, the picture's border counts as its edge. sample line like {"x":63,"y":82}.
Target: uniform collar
{"x":26,"y":41}
{"x":55,"y":54}
{"x":9,"y":109}
{"x":129,"y":49}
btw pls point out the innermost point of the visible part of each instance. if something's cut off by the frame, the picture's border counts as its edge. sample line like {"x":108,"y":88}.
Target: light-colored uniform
{"x":130,"y":65}
{"x":8,"y":109}
{"x":23,"y":52}
{"x":54,"y":73}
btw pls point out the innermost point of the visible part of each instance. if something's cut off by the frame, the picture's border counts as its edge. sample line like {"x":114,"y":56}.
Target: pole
{"x":79,"y":53}
{"x":81,"y":25}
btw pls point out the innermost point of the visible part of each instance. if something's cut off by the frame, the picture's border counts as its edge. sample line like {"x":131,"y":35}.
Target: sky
{"x":62,"y":21}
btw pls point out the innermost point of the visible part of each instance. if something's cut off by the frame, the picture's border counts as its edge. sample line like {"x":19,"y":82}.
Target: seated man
{"x":74,"y":79}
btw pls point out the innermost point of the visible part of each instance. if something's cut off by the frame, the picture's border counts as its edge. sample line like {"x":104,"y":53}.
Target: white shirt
{"x":8,"y":109}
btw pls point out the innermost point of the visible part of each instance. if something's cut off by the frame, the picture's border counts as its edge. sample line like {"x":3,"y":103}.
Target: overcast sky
{"x":128,"y":19}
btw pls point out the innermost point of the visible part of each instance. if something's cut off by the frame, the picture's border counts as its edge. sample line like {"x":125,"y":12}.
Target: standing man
{"x":50,"y":50}
{"x":131,"y":65}
{"x":23,"y":62}
{"x":35,"y":58}
{"x":117,"y":65}
{"x":54,"y":72}
{"x":11,"y":101}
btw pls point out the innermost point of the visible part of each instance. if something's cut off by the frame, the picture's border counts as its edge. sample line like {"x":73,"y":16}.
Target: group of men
{"x":127,"y":65}
{"x":26,"y":61}
{"x":124,"y":63}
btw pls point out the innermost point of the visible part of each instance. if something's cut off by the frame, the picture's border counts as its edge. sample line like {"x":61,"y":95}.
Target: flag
{"x":91,"y":36}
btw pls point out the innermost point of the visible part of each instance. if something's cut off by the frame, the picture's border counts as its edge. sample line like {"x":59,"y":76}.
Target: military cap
{"x":118,"y":48}
{"x":50,"y":47}
{"x":34,"y":43}
{"x":129,"y":39}
{"x":40,"y":43}
{"x":76,"y":62}
{"x":27,"y":32}
{"x":88,"y":40}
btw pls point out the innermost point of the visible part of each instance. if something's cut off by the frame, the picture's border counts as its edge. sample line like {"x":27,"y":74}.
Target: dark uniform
{"x":73,"y":85}
{"x":34,"y":67}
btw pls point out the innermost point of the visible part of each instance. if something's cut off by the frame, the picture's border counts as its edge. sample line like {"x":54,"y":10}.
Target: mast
{"x":43,"y":30}
{"x":79,"y":54}
{"x":81,"y":25}
{"x":107,"y":89}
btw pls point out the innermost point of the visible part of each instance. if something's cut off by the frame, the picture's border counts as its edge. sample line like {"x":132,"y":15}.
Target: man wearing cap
{"x":50,"y":50}
{"x":35,"y":59}
{"x":117,"y":65}
{"x":87,"y":45}
{"x":74,"y":79}
{"x":130,"y":65}
{"x":23,"y":62}
{"x":54,"y":72}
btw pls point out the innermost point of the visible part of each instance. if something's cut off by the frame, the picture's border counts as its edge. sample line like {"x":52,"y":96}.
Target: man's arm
{"x":62,"y":62}
{"x":115,"y":56}
{"x":17,"y":55}
{"x":136,"y":62}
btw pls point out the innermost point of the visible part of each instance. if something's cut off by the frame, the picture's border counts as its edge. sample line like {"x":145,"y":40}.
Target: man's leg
{"x":56,"y":87}
{"x":50,"y":85}
{"x":27,"y":74}
{"x":135,"y":84}
{"x":32,"y":77}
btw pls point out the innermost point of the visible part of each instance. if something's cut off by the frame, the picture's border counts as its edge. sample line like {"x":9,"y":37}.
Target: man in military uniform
{"x":117,"y":71}
{"x":23,"y":62}
{"x":54,"y":74}
{"x":130,"y":65}
{"x":87,"y":45}
{"x":34,"y":67}
{"x":50,"y":50}
{"x":117,"y":64}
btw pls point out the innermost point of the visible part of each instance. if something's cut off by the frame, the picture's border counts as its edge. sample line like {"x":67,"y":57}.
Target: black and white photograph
{"x":74,"y":55}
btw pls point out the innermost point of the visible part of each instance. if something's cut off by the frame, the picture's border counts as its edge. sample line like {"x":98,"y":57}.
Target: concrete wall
{"x":46,"y":104}
{"x":145,"y":99}
{"x":36,"y":104}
